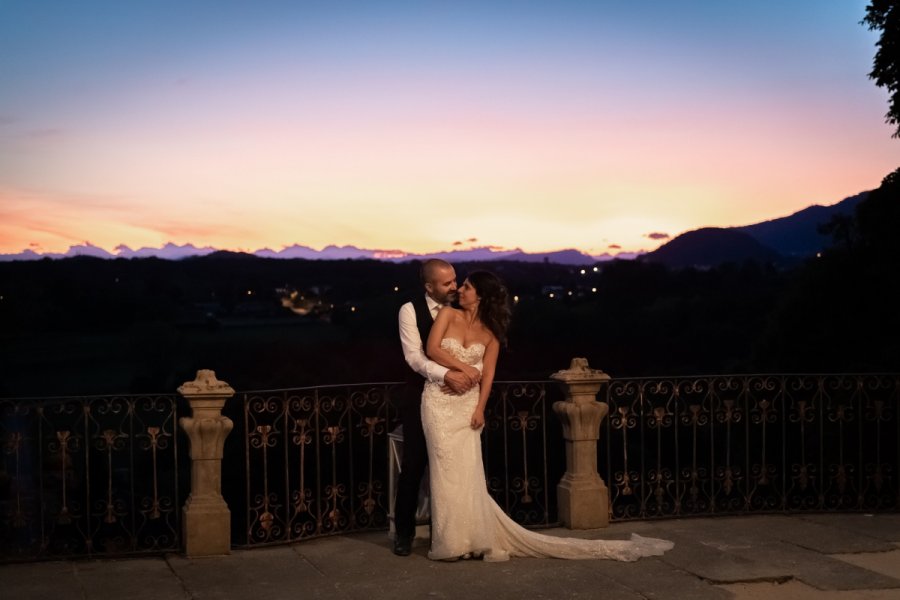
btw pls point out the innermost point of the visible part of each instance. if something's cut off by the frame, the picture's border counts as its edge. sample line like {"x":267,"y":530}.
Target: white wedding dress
{"x":464,"y":517}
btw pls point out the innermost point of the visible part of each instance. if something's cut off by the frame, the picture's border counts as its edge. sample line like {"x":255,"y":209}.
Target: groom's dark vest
{"x":415,"y":383}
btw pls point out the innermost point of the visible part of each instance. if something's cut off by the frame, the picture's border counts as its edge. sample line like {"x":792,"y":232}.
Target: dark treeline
{"x":84,"y":326}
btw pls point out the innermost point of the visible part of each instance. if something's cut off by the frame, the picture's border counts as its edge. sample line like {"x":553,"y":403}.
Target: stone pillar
{"x":206,"y":520}
{"x":583,"y":496}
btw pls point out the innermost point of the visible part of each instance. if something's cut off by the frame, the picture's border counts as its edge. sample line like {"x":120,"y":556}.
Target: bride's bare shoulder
{"x":451,"y":312}
{"x":447,"y":312}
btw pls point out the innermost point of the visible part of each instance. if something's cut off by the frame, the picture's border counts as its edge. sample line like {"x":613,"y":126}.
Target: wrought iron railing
{"x":523,"y":450}
{"x":106,"y":475}
{"x":90,"y":475}
{"x":692,"y":446}
{"x":315,"y":460}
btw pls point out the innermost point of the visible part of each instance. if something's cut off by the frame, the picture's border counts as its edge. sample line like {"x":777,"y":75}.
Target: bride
{"x":465,"y":520}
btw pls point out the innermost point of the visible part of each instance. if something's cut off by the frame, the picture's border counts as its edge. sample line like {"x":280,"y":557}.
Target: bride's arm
{"x":487,"y":379}
{"x":442,"y":357}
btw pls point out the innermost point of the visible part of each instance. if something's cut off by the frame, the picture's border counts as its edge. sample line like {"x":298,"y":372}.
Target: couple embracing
{"x":455,"y":350}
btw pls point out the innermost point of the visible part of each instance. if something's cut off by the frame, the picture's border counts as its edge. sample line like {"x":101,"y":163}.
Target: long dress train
{"x":464,"y":517}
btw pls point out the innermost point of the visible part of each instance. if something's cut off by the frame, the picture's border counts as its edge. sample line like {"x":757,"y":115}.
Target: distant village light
{"x":596,"y":269}
{"x":570,"y":292}
{"x":552,"y":295}
{"x":515,"y":299}
{"x":396,"y":288}
{"x":594,"y":290}
{"x":352,"y":309}
{"x":583,"y":271}
{"x":249,"y":292}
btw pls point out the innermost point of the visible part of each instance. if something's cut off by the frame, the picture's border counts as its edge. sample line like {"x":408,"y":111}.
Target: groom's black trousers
{"x":413,"y":462}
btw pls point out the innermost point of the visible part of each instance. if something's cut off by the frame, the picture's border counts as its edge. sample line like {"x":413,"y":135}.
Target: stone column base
{"x":583,"y":504}
{"x":206,"y":529}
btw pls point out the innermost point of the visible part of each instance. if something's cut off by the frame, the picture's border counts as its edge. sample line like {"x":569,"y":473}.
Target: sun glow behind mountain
{"x":576,"y":125}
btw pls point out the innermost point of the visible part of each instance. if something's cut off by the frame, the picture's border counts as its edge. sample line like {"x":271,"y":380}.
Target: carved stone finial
{"x":206,"y":384}
{"x":582,"y":495}
{"x":206,"y":522}
{"x":578,"y":370}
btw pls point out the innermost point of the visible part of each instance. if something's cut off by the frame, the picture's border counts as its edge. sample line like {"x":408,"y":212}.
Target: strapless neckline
{"x":460,"y":344}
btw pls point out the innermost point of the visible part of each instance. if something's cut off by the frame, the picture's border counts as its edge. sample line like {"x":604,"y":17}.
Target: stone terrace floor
{"x":826,"y":557}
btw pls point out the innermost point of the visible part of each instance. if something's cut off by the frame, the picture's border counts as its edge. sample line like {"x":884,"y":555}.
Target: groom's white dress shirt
{"x":413,"y":344}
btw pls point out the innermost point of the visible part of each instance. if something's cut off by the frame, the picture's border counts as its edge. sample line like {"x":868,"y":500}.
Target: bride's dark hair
{"x":493,"y":308}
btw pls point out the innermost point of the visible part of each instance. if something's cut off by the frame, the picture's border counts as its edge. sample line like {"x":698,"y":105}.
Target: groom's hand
{"x":457,"y":382}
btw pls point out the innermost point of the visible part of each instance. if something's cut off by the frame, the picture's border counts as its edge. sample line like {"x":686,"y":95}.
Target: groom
{"x":416,"y":318}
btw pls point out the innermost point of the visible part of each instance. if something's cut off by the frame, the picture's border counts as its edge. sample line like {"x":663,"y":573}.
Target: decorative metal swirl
{"x":107,"y":482}
{"x":751,"y":443}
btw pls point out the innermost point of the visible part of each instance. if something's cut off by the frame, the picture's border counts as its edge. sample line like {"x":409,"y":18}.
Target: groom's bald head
{"x":432,"y":268}
{"x":439,"y":280}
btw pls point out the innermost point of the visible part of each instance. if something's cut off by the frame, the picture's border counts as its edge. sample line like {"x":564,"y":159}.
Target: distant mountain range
{"x":175,"y":252}
{"x":781,"y":240}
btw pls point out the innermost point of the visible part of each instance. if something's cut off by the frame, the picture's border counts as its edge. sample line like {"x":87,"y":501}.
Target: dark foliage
{"x":839,"y":313}
{"x":884,"y":16}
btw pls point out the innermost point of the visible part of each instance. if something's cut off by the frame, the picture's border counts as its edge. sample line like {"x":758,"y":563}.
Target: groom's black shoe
{"x":402,"y":546}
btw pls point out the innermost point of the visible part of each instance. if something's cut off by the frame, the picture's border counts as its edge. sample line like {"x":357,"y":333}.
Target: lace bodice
{"x":471,"y":355}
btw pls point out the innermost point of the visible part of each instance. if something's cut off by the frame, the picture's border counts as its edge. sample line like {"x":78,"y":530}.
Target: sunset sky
{"x":414,"y":125}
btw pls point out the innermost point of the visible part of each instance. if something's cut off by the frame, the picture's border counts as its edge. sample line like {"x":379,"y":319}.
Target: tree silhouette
{"x":878,"y":217}
{"x":841,"y":228}
{"x":884,"y":16}
{"x":839,"y":311}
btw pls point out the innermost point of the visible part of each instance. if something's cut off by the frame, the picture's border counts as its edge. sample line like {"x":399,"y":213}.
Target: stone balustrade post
{"x":583,"y":496}
{"x":206,"y":522}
